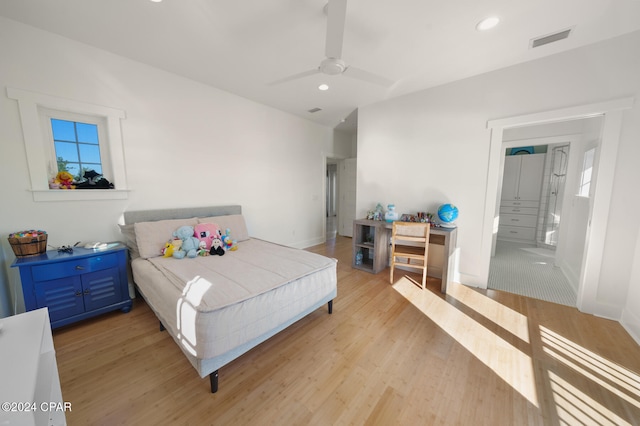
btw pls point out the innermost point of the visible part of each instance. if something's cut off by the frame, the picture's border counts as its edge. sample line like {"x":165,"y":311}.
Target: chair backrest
{"x":411,"y":231}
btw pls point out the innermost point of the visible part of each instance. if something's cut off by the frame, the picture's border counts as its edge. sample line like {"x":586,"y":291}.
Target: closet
{"x":520,"y":200}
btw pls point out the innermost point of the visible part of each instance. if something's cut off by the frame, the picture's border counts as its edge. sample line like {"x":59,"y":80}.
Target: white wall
{"x":431,"y":147}
{"x":186,"y":144}
{"x":631,"y":313}
{"x":344,"y":144}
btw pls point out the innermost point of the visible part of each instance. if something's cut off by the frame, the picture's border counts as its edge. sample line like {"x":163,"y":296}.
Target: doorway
{"x":331,"y":202}
{"x":598,"y":206}
{"x":524,"y":261}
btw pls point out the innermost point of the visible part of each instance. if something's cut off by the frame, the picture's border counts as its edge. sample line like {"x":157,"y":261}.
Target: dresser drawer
{"x":516,"y":232}
{"x":518,"y":203}
{"x":518,"y":220}
{"x":519,"y":210}
{"x":74,"y":267}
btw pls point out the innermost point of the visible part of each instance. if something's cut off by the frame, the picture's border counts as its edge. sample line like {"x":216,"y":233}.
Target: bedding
{"x":218,"y":307}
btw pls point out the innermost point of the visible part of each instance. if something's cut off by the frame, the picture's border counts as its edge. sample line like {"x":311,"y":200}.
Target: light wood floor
{"x":387,"y":355}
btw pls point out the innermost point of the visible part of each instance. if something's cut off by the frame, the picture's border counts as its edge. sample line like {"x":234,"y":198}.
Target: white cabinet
{"x":30,"y":386}
{"x":522,"y":177}
{"x":520,"y":201}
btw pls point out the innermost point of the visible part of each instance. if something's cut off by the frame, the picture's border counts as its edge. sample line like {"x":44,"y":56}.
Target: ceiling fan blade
{"x":363,"y":75}
{"x":295,"y":76}
{"x":336,"y":16}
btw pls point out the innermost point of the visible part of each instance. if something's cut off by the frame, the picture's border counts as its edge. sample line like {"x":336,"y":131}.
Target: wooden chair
{"x":410,"y":247}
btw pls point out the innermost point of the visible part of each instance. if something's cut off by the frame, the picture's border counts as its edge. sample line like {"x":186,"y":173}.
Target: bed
{"x":217,"y":308}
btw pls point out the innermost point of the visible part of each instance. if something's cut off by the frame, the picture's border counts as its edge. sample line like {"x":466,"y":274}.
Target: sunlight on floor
{"x":512,"y":321}
{"x":509,"y":363}
{"x":575,"y":407}
{"x":618,"y":380}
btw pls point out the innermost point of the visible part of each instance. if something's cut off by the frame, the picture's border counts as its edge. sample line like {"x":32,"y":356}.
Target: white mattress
{"x":224,"y":302}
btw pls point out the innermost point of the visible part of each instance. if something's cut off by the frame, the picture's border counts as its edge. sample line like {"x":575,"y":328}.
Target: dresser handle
{"x":78,"y":293}
{"x":86,"y":291}
{"x":515,"y":210}
{"x":515,"y":220}
{"x":79,"y":268}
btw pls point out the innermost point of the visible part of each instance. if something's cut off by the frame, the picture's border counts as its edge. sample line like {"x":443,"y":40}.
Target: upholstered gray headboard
{"x":134,"y":216}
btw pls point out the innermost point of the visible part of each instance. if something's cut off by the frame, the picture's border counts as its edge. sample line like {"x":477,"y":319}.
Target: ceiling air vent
{"x":560,"y":35}
{"x":316,"y":109}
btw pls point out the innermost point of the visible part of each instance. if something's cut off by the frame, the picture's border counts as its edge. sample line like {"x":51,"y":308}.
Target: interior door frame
{"x":599,"y":211}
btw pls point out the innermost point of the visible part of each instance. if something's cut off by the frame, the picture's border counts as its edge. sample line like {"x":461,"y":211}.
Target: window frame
{"x":46,"y":114}
{"x":40,"y":151}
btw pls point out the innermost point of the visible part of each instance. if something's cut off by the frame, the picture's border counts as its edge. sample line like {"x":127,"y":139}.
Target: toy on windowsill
{"x":94,"y":180}
{"x":63,"y":180}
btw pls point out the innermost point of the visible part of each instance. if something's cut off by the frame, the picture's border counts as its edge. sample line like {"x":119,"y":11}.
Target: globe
{"x":447,"y":213}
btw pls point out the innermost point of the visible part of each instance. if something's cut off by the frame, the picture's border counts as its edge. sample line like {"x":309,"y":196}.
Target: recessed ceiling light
{"x":156,"y":1}
{"x":323,"y":87}
{"x":487,"y":23}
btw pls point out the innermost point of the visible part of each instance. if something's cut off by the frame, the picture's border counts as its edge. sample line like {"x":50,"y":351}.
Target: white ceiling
{"x":241,"y":46}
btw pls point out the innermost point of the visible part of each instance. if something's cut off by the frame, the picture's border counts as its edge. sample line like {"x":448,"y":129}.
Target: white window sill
{"x":80,"y":194}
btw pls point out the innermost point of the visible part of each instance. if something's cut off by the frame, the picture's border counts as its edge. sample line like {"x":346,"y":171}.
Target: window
{"x":77,"y":147}
{"x":77,"y":144}
{"x":587,"y":173}
{"x":66,"y":135}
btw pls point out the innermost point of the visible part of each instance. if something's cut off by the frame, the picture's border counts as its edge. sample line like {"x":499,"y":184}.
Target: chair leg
{"x":424,"y":278}
{"x":391,"y":273}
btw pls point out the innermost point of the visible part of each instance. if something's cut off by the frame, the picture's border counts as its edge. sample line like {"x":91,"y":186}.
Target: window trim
{"x":37,"y":140}
{"x":587,"y":184}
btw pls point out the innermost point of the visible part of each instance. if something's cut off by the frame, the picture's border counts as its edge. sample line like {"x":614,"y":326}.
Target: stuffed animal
{"x":202,"y":250}
{"x":229,"y":244}
{"x":206,"y":232}
{"x":170,"y":247}
{"x":190,"y":243}
{"x":63,"y":180}
{"x":217,"y":246}
{"x":93,"y":179}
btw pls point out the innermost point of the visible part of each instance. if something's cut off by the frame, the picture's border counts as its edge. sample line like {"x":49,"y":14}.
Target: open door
{"x":347,"y":193}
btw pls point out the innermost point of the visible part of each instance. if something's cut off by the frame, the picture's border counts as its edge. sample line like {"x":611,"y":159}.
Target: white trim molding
{"x":592,"y":259}
{"x":29,"y":104}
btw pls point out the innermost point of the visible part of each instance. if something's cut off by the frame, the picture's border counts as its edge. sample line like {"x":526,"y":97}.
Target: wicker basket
{"x":28,"y":246}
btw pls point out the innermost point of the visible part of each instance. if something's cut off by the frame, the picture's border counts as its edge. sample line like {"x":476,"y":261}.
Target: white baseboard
{"x":571,"y":275}
{"x":631,"y":322}
{"x":308,"y":243}
{"x":470,"y":280}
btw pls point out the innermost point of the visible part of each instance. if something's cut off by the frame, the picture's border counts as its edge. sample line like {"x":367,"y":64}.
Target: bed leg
{"x":161,"y":326}
{"x":330,"y":306}
{"x":213,"y":378}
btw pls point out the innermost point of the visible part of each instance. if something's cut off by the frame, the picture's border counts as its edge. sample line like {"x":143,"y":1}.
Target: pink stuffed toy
{"x":207,"y":232}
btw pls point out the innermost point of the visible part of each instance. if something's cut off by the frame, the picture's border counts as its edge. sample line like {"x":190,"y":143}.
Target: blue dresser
{"x":75,"y":286}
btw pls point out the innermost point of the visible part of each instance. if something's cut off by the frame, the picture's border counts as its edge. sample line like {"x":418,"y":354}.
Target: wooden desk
{"x":372,"y":238}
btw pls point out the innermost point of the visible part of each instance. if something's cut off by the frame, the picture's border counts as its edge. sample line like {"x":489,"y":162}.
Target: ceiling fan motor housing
{"x":332,"y":66}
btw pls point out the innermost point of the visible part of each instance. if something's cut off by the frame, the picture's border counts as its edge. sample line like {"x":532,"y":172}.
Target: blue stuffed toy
{"x":229,"y":244}
{"x":190,"y":243}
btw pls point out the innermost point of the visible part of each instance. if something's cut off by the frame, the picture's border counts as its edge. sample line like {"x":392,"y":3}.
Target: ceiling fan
{"x":333,"y":63}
